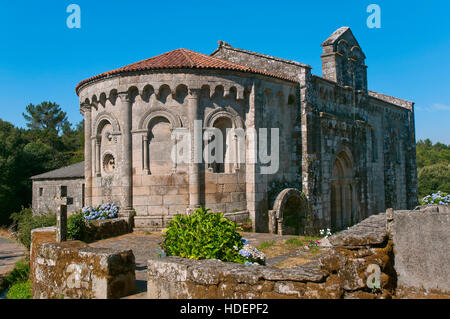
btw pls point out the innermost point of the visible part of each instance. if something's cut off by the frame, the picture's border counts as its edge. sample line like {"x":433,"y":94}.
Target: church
{"x":344,"y":152}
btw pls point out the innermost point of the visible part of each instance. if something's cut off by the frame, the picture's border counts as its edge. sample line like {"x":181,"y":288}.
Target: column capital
{"x":124,"y":96}
{"x":194,"y":93}
{"x":85,"y":108}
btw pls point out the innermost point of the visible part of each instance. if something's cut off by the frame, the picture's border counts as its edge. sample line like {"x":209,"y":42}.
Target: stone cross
{"x":61,"y":220}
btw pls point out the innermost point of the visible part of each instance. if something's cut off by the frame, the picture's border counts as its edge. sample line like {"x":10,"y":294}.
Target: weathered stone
{"x":101,"y":229}
{"x":371,"y":231}
{"x":73,"y":270}
{"x":359,"y":295}
{"x":422,"y":248}
{"x":226,"y":280}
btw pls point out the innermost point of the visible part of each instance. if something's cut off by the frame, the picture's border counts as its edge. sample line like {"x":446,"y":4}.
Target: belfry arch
{"x":343,"y":190}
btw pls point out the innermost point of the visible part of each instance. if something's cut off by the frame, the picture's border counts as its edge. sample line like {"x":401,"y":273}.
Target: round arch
{"x":103,"y":117}
{"x":229,"y":113}
{"x":174,"y":120}
{"x":289,"y":213}
{"x":342,"y":195}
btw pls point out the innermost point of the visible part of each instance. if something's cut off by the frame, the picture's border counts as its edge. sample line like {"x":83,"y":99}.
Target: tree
{"x":13,"y":171}
{"x":434,"y":178}
{"x":73,"y":142}
{"x":46,"y":117}
{"x":433,"y":164}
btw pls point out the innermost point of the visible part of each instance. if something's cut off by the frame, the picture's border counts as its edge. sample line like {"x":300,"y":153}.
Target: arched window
{"x":159,"y":146}
{"x":104,"y":147}
{"x":224,"y":163}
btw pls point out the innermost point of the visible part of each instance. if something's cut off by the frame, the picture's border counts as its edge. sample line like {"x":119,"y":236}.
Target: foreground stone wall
{"x":74,"y":270}
{"x":397,"y":254}
{"x":102,"y":229}
{"x":422,"y":248}
{"x":342,"y":272}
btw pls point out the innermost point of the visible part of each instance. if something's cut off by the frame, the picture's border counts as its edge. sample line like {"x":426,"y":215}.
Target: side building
{"x":66,"y":182}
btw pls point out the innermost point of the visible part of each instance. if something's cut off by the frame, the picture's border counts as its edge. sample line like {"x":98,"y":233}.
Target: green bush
{"x":76,"y":226}
{"x":20,"y":290}
{"x":26,"y":222}
{"x":203,"y":235}
{"x":20,"y":274}
{"x":433,"y":178}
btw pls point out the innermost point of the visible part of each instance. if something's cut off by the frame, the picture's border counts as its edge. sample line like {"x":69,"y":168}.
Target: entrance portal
{"x":342,"y":192}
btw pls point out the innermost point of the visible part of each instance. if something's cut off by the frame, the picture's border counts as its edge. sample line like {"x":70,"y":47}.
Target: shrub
{"x":26,"y":222}
{"x":76,"y":226}
{"x":20,"y":274}
{"x":203,"y":235}
{"x":20,"y":290}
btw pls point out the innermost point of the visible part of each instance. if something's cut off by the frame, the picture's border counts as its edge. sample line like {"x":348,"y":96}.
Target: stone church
{"x":345,"y":152}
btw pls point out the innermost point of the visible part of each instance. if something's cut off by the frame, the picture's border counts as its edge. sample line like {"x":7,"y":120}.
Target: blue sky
{"x":42,"y":59}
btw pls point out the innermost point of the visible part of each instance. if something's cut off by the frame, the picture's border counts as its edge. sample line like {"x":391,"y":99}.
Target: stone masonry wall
{"x":74,"y":270}
{"x":45,"y":192}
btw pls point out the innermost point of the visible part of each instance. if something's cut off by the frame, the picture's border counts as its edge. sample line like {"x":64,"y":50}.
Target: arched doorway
{"x":342,"y":191}
{"x":288,"y":216}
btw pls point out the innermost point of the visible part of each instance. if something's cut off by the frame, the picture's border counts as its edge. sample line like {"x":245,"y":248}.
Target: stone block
{"x":227,"y":179}
{"x":75,"y":271}
{"x":176,"y":199}
{"x":422,"y":248}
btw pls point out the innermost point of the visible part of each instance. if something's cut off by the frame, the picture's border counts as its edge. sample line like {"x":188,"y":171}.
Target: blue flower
{"x":244,"y":253}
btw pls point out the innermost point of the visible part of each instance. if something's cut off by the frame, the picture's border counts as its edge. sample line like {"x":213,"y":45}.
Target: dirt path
{"x":10,"y":253}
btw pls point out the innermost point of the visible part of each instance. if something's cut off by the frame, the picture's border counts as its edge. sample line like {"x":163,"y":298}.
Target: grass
{"x":20,"y":290}
{"x":265,"y":245}
{"x":300,"y":241}
{"x":278,"y":248}
{"x":19,"y":275}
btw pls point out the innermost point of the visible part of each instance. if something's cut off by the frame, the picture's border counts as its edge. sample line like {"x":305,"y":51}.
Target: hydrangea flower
{"x":102,"y":212}
{"x":439,"y":197}
{"x":244,"y":253}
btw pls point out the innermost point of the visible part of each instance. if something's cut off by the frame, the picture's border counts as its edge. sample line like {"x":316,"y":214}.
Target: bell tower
{"x":343,"y":61}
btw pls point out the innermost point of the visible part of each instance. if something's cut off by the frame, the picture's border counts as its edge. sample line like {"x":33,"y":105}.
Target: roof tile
{"x":182,"y":59}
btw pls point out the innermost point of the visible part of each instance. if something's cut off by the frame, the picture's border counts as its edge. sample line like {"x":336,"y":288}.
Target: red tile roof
{"x":182,"y":59}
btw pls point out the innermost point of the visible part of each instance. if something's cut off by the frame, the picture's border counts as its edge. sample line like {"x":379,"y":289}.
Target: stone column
{"x":146,"y":155}
{"x":87,"y":113}
{"x":97,"y":156}
{"x":196,"y":149}
{"x":126,"y":169}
